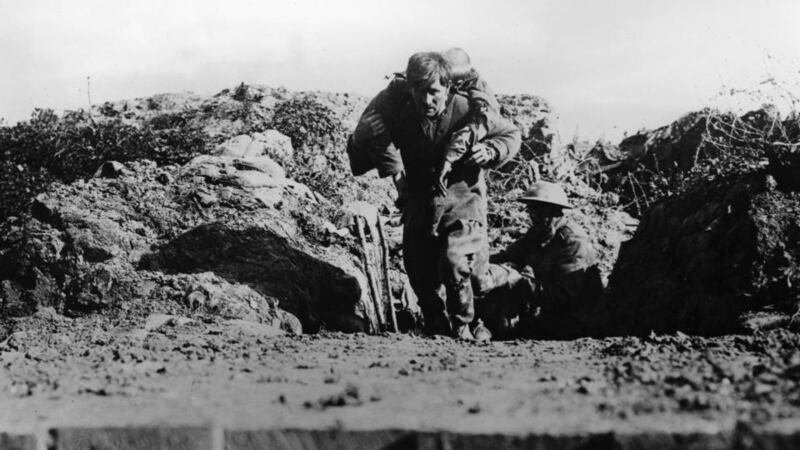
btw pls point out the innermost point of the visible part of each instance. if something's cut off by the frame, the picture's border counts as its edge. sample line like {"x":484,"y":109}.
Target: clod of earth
{"x":719,"y":259}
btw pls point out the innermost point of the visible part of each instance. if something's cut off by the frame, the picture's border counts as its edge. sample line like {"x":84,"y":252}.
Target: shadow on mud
{"x":315,"y":291}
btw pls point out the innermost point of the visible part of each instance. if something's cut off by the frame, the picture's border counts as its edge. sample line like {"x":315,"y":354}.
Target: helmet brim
{"x":564,"y":204}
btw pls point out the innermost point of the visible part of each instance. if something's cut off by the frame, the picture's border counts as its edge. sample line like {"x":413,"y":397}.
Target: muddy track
{"x":59,"y":370}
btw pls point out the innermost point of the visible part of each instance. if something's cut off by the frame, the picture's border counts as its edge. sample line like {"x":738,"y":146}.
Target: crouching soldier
{"x":547,"y":283}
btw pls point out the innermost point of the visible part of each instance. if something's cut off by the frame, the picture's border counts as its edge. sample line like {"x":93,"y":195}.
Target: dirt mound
{"x":317,"y":123}
{"x":534,"y":117}
{"x":220,"y":234}
{"x":240,"y":110}
{"x":252,"y":216}
{"x":697,"y":147}
{"x":231,"y":232}
{"x":716,"y":259}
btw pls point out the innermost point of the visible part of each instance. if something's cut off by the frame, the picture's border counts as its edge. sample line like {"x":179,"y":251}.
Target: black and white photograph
{"x":441,"y":225}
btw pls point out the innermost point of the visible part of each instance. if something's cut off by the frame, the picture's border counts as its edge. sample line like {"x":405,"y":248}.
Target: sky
{"x":606,"y":67}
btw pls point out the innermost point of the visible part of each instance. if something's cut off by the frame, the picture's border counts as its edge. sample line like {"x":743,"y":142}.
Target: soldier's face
{"x":541,"y":215}
{"x":430,"y":101}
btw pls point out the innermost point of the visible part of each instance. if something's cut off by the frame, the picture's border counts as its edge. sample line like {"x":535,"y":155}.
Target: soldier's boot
{"x":504,"y":327}
{"x":437,"y":324}
{"x":463,"y":332}
{"x":496,"y":276}
{"x":480,"y":332}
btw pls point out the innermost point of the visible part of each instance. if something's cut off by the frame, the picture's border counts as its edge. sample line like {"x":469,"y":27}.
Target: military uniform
{"x":441,"y":270}
{"x":549,"y":281}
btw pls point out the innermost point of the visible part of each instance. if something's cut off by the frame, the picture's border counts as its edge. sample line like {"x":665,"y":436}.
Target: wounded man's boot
{"x":497,"y":276}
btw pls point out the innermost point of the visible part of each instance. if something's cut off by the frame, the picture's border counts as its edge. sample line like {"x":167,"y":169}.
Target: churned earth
{"x":167,"y":293}
{"x":171,"y":369}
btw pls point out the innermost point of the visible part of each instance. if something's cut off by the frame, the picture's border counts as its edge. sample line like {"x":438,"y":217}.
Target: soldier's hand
{"x":442,"y":178}
{"x":400,"y":182}
{"x":527,"y":272}
{"x":370,"y":125}
{"x":401,"y":185}
{"x":481,"y":155}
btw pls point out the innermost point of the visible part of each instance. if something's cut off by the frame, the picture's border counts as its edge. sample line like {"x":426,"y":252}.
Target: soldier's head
{"x":460,"y":64}
{"x":545,"y":203}
{"x":429,"y":81}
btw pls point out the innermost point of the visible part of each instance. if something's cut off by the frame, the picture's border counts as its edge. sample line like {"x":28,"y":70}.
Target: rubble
{"x":706,"y":261}
{"x":110,"y":243}
{"x":221,"y":273}
{"x":134,"y":243}
{"x":273,"y":179}
{"x":697,"y":147}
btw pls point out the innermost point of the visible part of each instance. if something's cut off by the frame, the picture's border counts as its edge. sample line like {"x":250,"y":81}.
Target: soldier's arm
{"x":503,"y":137}
{"x":477,"y":88}
{"x":514,"y":253}
{"x":460,"y":142}
{"x":370,"y":144}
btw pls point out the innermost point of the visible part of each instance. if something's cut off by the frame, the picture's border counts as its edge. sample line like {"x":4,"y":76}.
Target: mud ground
{"x":57,"y":370}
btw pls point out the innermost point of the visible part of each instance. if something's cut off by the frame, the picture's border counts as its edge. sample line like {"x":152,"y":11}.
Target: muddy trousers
{"x":443,"y":271}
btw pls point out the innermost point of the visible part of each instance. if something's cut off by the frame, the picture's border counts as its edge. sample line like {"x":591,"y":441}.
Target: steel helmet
{"x":546,"y":192}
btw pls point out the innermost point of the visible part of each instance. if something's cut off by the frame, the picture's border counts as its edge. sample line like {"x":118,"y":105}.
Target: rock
{"x":254,"y":329}
{"x":155,"y":321}
{"x":263,"y":164}
{"x":165,"y":178}
{"x":237,"y":301}
{"x":670,"y":147}
{"x":290,"y":323}
{"x":97,"y":239}
{"x":44,"y":291}
{"x":760,"y":321}
{"x":13,"y":301}
{"x":300,"y":190}
{"x":608,"y":228}
{"x":95,"y":287}
{"x":206,"y":198}
{"x":271,"y":197}
{"x":242,"y":273}
{"x":533,"y":116}
{"x":195,"y":300}
{"x":270,"y":143}
{"x":172,"y":238}
{"x":319,"y":163}
{"x":237,"y":147}
{"x":275,"y":144}
{"x":698,"y":146}
{"x":352,"y":210}
{"x":251,"y":173}
{"x":111,"y":169}
{"x":253,"y":179}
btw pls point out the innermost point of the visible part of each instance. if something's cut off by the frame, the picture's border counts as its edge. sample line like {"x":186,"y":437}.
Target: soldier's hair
{"x":460,"y":64}
{"x":425,"y":68}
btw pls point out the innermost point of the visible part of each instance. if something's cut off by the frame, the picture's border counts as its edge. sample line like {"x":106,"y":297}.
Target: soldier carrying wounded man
{"x":434,"y":130}
{"x":407,"y":132}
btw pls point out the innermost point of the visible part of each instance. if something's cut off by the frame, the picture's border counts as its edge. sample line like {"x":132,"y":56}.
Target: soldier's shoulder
{"x":461,"y":104}
{"x":391,"y":100}
{"x":398,"y":83}
{"x":579,"y":248}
